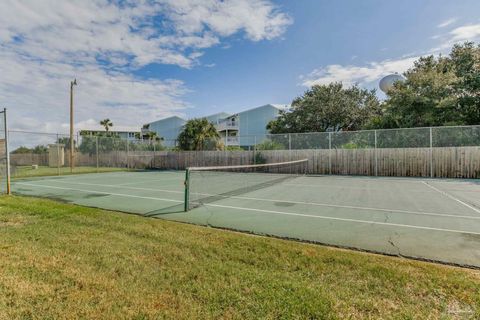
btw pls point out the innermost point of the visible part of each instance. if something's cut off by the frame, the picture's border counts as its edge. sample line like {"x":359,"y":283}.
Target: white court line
{"x":116,"y":186}
{"x":100,"y":192}
{"x":262,"y":199}
{"x":333,"y":186}
{"x":318,"y":204}
{"x":342,"y":219}
{"x":149,"y":180}
{"x":121,"y":184}
{"x":469,"y":182}
{"x":359,"y":208}
{"x":452,"y":197}
{"x":268,"y":211}
{"x":373,"y":179}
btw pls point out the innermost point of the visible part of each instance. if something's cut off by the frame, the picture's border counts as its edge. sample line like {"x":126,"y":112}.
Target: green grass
{"x":28,"y":171}
{"x":60,"y":261}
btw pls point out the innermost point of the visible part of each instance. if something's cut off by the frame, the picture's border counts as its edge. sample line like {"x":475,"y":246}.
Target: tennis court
{"x":434,"y":219}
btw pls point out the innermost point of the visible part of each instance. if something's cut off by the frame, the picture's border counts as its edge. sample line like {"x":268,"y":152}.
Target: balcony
{"x":227,"y":125}
{"x":231,"y":141}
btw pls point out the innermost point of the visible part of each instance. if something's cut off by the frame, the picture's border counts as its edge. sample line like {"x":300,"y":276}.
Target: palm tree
{"x":198,"y":134}
{"x":106,"y":123}
{"x":152,"y":135}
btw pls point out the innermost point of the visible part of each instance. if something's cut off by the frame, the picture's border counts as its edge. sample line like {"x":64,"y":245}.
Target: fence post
{"x":128,"y":158}
{"x":76,"y":144}
{"x":431,"y":153}
{"x":96,"y":151}
{"x":58,"y":155}
{"x":289,"y":141}
{"x":376,"y":156}
{"x":154,"y":151}
{"x":7,"y":153}
{"x":254,"y":149}
{"x":330,"y":153}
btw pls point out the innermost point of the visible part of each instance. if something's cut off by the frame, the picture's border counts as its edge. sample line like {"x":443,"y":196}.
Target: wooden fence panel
{"x":445,"y":162}
{"x":28,"y":159}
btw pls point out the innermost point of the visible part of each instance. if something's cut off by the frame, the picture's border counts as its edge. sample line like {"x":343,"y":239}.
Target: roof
{"x":218,"y":114}
{"x":114,"y":128}
{"x":167,"y":118}
{"x":276,"y":106}
{"x":224,"y":115}
{"x":217,"y":117}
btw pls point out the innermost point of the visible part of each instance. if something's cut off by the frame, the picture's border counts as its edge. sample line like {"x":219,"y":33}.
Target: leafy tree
{"x":22,"y":150}
{"x":105,"y":144}
{"x":65,"y":141}
{"x":328,"y":107}
{"x":466,"y":59}
{"x":106,"y":123}
{"x":233,"y":148}
{"x":270,"y":145}
{"x":150,"y":135}
{"x":199,"y":134}
{"x":40,"y":149}
{"x":437,"y":91}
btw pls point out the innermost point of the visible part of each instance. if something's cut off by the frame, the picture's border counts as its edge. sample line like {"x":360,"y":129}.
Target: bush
{"x":269,"y":145}
{"x":260,"y":158}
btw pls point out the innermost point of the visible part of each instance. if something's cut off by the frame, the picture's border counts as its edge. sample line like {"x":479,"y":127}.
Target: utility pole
{"x":72,"y":143}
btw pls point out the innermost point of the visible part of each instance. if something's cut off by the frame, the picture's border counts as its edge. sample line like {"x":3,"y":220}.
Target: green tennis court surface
{"x":421,"y":218}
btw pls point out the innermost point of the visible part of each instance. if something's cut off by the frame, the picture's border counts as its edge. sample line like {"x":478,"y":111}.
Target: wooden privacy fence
{"x":27,"y":159}
{"x":444,"y":162}
{"x":449,"y":162}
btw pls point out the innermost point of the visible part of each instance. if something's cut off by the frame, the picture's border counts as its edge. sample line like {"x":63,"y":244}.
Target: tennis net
{"x":208,"y":184}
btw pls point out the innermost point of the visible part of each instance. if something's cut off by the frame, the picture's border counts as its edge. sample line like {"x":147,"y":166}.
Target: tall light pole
{"x":72,"y":144}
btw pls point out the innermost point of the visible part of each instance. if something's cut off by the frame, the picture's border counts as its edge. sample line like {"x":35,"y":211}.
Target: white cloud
{"x":470,"y":32}
{"x":446,"y":23}
{"x":351,"y":74}
{"x":41,"y":92}
{"x":368,"y":75}
{"x":44,"y":44}
{"x":465,"y":33}
{"x":258,"y":19}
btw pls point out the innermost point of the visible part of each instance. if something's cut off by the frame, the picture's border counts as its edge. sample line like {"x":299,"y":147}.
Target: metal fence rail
{"x":4,"y":154}
{"x":433,"y":152}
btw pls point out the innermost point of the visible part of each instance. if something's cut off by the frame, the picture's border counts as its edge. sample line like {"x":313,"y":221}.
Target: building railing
{"x":227,"y":125}
{"x":232,"y":141}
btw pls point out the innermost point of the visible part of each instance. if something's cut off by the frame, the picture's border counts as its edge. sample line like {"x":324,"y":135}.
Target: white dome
{"x":387,"y":82}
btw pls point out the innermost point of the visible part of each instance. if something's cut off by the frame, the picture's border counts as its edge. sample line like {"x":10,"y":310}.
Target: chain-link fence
{"x":4,"y":154}
{"x":435,"y":152}
{"x":456,"y":136}
{"x":41,"y":154}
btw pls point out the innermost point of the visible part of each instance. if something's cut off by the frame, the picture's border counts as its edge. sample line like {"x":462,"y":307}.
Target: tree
{"x":22,"y":150}
{"x":39,"y":149}
{"x":437,"y":91}
{"x":65,"y":141}
{"x":106,"y":123}
{"x":199,"y":134}
{"x":466,"y":59}
{"x":150,"y":135}
{"x":328,"y":108}
{"x":270,"y":145}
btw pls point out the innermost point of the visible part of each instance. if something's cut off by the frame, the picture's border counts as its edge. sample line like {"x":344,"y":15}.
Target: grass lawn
{"x":60,"y":261}
{"x":27,"y":171}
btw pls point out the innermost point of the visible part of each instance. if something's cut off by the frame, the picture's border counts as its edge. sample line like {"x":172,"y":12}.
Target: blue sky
{"x":138,"y":61}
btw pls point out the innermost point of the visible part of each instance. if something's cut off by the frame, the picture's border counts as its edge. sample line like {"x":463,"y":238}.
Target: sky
{"x":139,"y":61}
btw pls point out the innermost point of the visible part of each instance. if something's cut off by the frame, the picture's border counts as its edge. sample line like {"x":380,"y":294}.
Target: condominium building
{"x":242,"y":129}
